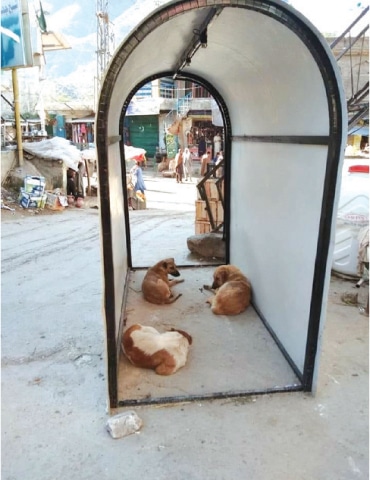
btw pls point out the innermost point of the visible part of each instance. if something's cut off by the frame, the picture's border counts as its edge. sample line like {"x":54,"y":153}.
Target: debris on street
{"x":124,"y":424}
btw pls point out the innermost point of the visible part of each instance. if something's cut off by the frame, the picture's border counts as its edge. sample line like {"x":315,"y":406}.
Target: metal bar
{"x":195,"y":42}
{"x":204,"y":197}
{"x":359,"y":67}
{"x":219,"y":183}
{"x":357,"y":107}
{"x":359,"y":95}
{"x":209,"y":396}
{"x":342,"y":35}
{"x":293,"y":139}
{"x":183,"y":266}
{"x":352,"y":43}
{"x":210,"y":214}
{"x":352,"y":122}
{"x":278,"y":343}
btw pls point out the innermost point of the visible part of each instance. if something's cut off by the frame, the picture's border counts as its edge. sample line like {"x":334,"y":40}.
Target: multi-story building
{"x":166,"y":114}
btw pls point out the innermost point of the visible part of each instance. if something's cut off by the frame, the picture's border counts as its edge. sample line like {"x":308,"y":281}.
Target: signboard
{"x":171,"y":145}
{"x":144,"y":106}
{"x":216,"y":115}
{"x":15,"y":35}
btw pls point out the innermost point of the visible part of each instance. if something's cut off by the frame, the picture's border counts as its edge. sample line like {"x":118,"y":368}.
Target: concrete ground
{"x":228,"y":354}
{"x":54,"y":390}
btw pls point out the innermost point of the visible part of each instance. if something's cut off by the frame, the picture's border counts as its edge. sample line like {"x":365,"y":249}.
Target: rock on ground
{"x":208,"y":245}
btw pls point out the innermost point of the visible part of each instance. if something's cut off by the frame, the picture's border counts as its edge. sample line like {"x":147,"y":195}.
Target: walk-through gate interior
{"x":279,"y":90}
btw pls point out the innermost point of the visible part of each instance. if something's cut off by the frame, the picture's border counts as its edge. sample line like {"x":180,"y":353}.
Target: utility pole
{"x":17,"y":116}
{"x":104,"y":41}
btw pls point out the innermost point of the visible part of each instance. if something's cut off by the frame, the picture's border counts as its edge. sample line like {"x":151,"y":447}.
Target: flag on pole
{"x":41,"y":19}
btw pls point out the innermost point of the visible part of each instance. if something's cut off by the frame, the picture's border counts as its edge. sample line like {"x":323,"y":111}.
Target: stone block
{"x":124,"y":424}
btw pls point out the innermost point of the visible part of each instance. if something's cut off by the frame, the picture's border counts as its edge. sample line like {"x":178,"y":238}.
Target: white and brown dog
{"x":156,"y":286}
{"x":164,"y":352}
{"x":232,"y":291}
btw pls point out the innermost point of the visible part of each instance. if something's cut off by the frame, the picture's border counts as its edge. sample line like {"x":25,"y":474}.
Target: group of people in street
{"x":207,"y":160}
{"x":183,"y":171}
{"x":183,"y":165}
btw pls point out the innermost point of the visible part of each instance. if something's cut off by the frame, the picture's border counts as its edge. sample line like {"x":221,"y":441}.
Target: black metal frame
{"x":208,"y":396}
{"x":203,"y":194}
{"x":286,"y":17}
{"x":228,"y":135}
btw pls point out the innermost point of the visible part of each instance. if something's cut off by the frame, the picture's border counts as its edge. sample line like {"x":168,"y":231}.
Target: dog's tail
{"x":185,"y":334}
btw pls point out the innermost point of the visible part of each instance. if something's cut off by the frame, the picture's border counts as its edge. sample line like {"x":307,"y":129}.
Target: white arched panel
{"x":275,"y":214}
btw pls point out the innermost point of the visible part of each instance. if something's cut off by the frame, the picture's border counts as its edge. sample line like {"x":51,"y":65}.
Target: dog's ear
{"x":224,"y":275}
{"x":164,"y":265}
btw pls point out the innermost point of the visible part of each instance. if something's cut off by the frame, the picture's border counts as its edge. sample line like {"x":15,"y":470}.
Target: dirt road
{"x":54,"y":383}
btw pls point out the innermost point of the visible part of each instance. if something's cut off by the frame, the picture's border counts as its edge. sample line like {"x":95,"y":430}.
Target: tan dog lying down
{"x":232,"y":291}
{"x":156,"y":286}
{"x":165,"y":352}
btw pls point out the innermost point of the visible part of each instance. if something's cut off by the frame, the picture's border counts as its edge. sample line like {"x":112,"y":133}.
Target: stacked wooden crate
{"x":202,"y":221}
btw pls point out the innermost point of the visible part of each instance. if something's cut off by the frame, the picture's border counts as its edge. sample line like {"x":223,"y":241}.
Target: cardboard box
{"x":34,"y":185}
{"x":56,"y":202}
{"x":28,"y":200}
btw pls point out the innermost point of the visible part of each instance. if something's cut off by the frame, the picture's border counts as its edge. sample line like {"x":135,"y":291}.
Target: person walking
{"x":188,"y":164}
{"x":136,"y":186}
{"x":217,"y":142}
{"x":219,"y":159}
{"x":75,"y":186}
{"x":202,"y":146}
{"x":204,"y":161}
{"x":179,"y":166}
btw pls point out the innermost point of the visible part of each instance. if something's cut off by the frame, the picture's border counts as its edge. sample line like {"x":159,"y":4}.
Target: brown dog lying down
{"x":156,"y":286}
{"x":232,"y":291}
{"x":165,"y":352}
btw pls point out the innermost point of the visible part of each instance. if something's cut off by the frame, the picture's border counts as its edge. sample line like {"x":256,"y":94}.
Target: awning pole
{"x":17,"y":117}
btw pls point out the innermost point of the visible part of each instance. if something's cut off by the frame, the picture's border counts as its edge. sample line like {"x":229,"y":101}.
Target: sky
{"x":330,"y":16}
{"x":77,"y":19}
{"x":77,"y":22}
